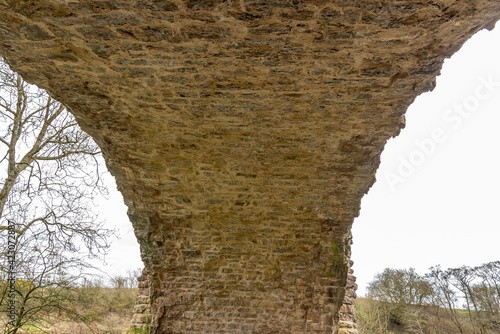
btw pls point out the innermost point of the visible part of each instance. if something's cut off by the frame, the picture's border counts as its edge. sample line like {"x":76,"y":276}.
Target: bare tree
{"x":481,"y":287}
{"x":489,"y":290}
{"x":463,"y":279}
{"x":46,"y":285}
{"x":468,"y":296}
{"x":403,"y":292}
{"x":48,"y":178}
{"x":400,"y":286}
{"x":444,"y":295}
{"x":373,"y":317}
{"x":128,"y":281}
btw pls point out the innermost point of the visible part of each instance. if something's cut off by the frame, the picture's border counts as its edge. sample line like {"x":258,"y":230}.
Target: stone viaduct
{"x":242,"y":135}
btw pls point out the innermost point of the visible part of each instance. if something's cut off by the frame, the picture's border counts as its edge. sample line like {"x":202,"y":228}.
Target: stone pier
{"x":242,"y":135}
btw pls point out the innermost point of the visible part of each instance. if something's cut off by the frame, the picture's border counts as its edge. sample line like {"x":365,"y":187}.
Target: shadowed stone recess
{"x":242,"y":135}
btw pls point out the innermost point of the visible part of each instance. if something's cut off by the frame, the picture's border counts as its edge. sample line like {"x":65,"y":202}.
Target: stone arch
{"x":242,"y":135}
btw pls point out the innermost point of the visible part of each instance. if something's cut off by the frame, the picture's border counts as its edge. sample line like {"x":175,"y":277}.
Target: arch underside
{"x":242,"y":135}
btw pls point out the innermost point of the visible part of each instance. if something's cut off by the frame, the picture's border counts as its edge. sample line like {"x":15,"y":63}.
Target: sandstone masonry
{"x":142,"y":309}
{"x":242,"y":135}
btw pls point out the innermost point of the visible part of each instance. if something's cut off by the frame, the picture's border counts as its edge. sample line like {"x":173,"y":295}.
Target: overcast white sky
{"x":124,"y":254}
{"x":441,"y":206}
{"x":445,"y":208}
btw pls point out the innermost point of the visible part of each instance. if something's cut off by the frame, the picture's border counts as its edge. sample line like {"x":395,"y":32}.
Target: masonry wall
{"x":242,"y":134}
{"x":141,"y":317}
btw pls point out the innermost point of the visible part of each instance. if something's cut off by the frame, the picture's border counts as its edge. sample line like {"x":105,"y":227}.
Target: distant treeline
{"x":458,"y":300}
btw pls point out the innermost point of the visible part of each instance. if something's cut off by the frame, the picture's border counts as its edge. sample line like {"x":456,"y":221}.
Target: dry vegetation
{"x":374,"y":318}
{"x":104,"y":311}
{"x":461,"y":300}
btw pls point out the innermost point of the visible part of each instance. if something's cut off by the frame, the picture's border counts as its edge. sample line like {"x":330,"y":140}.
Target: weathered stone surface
{"x":142,"y":310}
{"x":242,"y":134}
